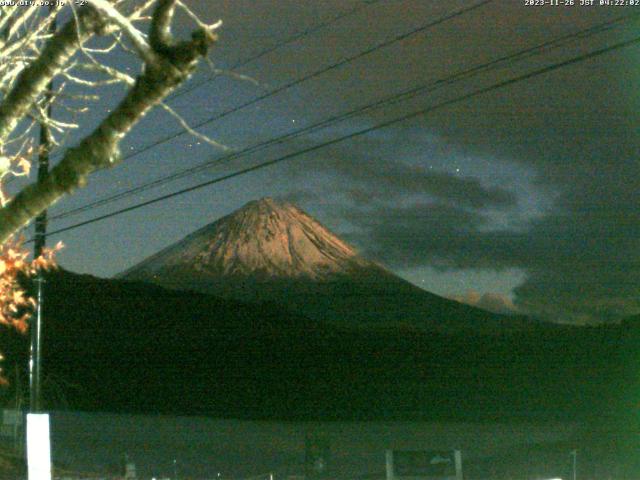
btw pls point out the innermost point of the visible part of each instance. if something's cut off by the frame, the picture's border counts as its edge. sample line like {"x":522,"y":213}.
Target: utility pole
{"x":37,"y":433}
{"x":45,"y":145}
{"x":574,"y":454}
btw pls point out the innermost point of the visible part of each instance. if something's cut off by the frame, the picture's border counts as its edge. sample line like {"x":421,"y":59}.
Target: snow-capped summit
{"x":265,"y":239}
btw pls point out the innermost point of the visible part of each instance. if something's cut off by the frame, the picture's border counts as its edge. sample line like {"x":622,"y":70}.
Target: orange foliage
{"x":15,"y":304}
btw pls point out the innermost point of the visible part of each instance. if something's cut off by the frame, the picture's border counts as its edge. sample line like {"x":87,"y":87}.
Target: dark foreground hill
{"x":130,"y":347}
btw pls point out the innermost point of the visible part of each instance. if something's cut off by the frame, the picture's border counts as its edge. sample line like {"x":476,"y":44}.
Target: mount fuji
{"x":272,"y":252}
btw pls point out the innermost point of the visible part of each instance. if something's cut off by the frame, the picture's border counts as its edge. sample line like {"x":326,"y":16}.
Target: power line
{"x":386,"y":43}
{"x":312,"y":75}
{"x":378,"y":126}
{"x":390,"y":99}
{"x":295,"y":37}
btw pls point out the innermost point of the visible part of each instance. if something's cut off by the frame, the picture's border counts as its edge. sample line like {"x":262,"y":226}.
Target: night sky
{"x":525,"y":197}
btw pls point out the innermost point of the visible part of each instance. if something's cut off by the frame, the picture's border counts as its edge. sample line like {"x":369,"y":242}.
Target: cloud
{"x":433,"y":234}
{"x":574,"y":271}
{"x":365,"y":170}
{"x":401,"y":179}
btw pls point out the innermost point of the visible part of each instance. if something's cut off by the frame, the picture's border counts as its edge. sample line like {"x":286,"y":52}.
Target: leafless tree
{"x":31,"y":56}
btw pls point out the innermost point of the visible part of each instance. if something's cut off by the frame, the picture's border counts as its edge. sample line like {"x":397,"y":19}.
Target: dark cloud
{"x":397,"y":178}
{"x":365,"y":170}
{"x":576,"y":270}
{"x":433,"y":234}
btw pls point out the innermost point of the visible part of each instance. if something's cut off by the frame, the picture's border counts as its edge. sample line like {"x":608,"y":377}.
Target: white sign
{"x":38,"y":446}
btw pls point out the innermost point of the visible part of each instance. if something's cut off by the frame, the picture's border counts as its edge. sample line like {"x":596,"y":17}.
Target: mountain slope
{"x":272,"y":251}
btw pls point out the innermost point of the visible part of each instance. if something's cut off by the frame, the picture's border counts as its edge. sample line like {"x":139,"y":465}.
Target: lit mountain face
{"x":264,"y":239}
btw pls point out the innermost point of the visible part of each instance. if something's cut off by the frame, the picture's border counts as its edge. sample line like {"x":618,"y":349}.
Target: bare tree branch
{"x":33,"y":80}
{"x":170,"y":64}
{"x":184,"y":124}
{"x":135,"y":36}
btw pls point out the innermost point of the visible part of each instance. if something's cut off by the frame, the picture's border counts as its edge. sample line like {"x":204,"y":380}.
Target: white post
{"x":389,"y":456}
{"x":38,"y":446}
{"x":458,"y":460}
